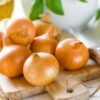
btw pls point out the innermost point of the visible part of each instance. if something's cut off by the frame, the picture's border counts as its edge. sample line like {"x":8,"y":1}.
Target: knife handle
{"x":95,"y":53}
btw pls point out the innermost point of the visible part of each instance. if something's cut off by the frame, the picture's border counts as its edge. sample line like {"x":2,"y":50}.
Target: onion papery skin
{"x":41,"y":69}
{"x":12,"y":59}
{"x":72,"y":54}
{"x":21,"y":31}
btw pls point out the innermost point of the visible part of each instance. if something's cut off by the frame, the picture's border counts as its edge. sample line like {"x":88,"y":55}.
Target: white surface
{"x":18,"y":10}
{"x":76,"y":12}
{"x":99,"y":3}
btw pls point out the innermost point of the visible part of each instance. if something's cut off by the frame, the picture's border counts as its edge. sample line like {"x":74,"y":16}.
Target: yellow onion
{"x":12,"y":58}
{"x":43,"y":25}
{"x":72,"y":54}
{"x":1,"y":40}
{"x":21,"y":31}
{"x":45,"y":42}
{"x":41,"y":69}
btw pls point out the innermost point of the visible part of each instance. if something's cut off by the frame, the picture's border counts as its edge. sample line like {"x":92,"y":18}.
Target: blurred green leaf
{"x":55,"y":6}
{"x":98,"y":15}
{"x":83,"y":0}
{"x":36,"y":10}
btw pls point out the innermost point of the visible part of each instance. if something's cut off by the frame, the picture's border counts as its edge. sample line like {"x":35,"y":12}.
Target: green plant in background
{"x":53,"y":5}
{"x":98,"y":15}
{"x":83,"y":0}
{"x":37,"y":8}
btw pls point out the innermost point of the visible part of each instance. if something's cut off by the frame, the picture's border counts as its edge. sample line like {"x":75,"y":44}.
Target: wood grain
{"x":92,"y":85}
{"x":18,"y":88}
{"x":59,"y":89}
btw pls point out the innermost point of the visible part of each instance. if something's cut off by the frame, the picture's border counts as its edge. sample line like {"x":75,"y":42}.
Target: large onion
{"x":12,"y":58}
{"x":72,"y":54}
{"x":21,"y":31}
{"x":45,"y":42}
{"x":41,"y":69}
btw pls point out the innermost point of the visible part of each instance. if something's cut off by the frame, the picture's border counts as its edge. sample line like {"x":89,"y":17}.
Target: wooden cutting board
{"x":18,"y":88}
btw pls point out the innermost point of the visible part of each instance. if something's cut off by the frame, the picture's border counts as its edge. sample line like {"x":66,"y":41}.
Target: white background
{"x":18,"y":10}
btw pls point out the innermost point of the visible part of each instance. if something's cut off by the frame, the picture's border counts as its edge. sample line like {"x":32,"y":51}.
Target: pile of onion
{"x":12,"y":58}
{"x":45,"y":42}
{"x":21,"y":31}
{"x":41,"y":69}
{"x":72,"y":54}
{"x":43,"y":24}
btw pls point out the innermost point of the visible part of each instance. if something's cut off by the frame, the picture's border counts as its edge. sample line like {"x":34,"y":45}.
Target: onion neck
{"x":36,"y":57}
{"x":77,"y":44}
{"x":45,"y":17}
{"x":51,"y":32}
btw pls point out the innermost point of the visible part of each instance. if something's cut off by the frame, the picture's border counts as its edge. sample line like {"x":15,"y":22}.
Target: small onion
{"x":41,"y":69}
{"x":72,"y":54}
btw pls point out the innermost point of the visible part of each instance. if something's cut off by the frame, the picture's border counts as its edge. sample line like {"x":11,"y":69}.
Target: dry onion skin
{"x":12,"y":58}
{"x":1,"y":40}
{"x":21,"y":31}
{"x":72,"y":54}
{"x":43,"y":25}
{"x":7,"y":42}
{"x":41,"y":69}
{"x":45,"y":43}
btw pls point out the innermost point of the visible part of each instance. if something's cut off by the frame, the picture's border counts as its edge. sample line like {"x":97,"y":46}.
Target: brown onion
{"x":21,"y":31}
{"x":72,"y":54}
{"x":1,"y":40}
{"x":43,"y":25}
{"x":45,"y":42}
{"x":12,"y":58}
{"x":41,"y":69}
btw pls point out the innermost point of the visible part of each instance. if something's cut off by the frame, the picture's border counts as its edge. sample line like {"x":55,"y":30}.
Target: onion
{"x":12,"y":58}
{"x":21,"y":31}
{"x":43,"y":25}
{"x":1,"y":40}
{"x":41,"y":69}
{"x":72,"y":54}
{"x":45,"y":42}
{"x":7,"y":42}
